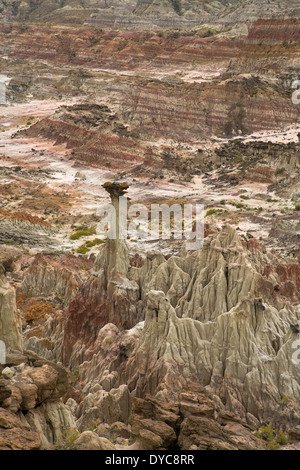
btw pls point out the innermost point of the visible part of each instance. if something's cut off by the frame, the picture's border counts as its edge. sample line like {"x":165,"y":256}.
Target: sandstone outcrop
{"x":30,"y":394}
{"x":32,"y":415}
{"x":212,"y":360}
{"x":15,"y":434}
{"x":109,"y":297}
{"x":10,"y":323}
{"x":89,"y":440}
{"x":55,"y":277}
{"x":196,"y":421}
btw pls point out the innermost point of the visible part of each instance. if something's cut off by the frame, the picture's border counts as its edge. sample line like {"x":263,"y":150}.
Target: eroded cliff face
{"x":32,"y":414}
{"x":96,"y":134}
{"x":54,"y":278}
{"x":215,"y":347}
{"x":188,"y":113}
{"x":143,"y":14}
{"x":108,"y":297}
{"x":271,"y":51}
{"x":10,"y":322}
{"x":221,"y":333}
{"x":170,"y":349}
{"x":241,"y":86}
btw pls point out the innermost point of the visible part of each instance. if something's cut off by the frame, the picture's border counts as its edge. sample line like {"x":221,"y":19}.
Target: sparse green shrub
{"x":279,"y":171}
{"x":297,"y":206}
{"x":71,"y":437}
{"x":84,"y":266}
{"x":243,"y":196}
{"x":274,"y":440}
{"x":82,"y":250}
{"x":281,"y":438}
{"x":273,"y":445}
{"x":108,"y":340}
{"x":83,"y":233}
{"x":265,"y":432}
{"x":211,"y":212}
{"x":92,"y":243}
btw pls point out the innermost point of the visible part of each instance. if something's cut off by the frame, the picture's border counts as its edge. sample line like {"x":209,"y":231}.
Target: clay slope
{"x":253,"y":10}
{"x":271,"y":50}
{"x":187,"y":113}
{"x":96,"y":134}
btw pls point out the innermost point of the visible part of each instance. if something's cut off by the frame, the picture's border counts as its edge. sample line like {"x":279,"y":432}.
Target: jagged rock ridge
{"x":32,"y":414}
{"x":144,"y":14}
{"x":216,"y":341}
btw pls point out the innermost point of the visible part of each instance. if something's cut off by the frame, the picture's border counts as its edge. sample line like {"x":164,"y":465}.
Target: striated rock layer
{"x":271,"y":50}
{"x":144,"y":14}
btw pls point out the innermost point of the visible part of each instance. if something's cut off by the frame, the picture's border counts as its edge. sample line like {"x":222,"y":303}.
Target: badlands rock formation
{"x":248,"y":75}
{"x":32,"y":414}
{"x":210,"y":362}
{"x":57,"y":278}
{"x":10,"y":324}
{"x":125,"y":344}
{"x":143,"y":14}
{"x":109,"y":296}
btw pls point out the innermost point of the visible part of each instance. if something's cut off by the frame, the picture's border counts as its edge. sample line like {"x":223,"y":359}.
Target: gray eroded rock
{"x":221,"y":338}
{"x":52,"y":421}
{"x":10,"y":324}
{"x":108,"y":407}
{"x":89,"y":440}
